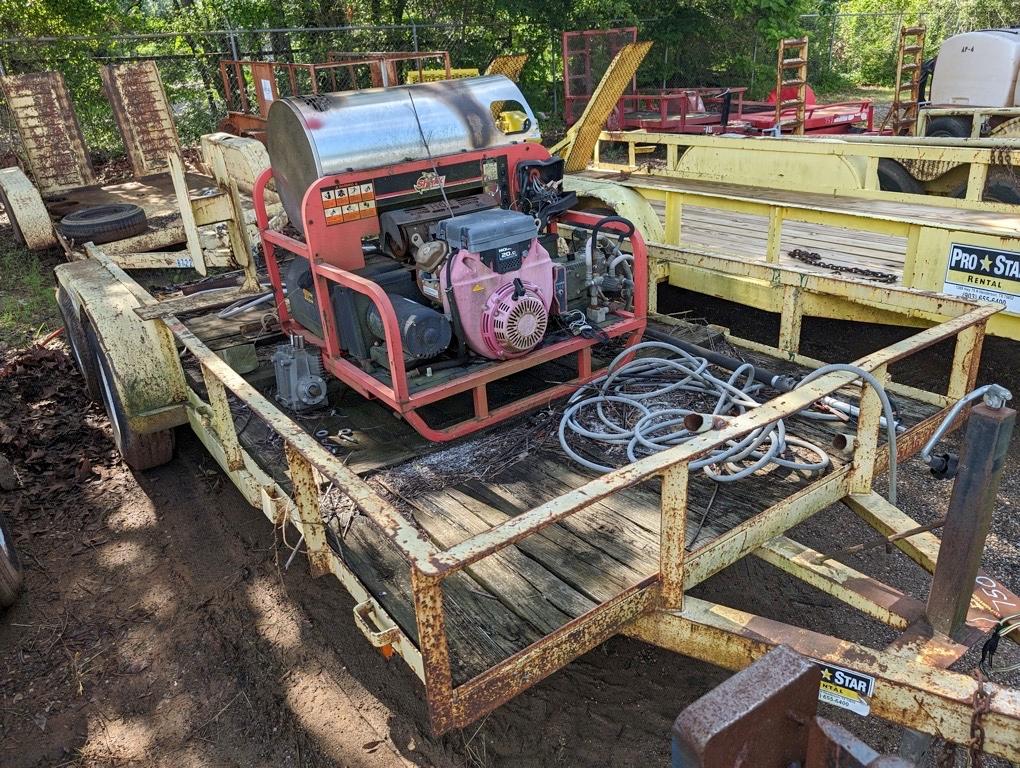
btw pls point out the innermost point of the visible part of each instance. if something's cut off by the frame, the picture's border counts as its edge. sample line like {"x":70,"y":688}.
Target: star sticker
{"x":826,"y":675}
{"x":986,"y":264}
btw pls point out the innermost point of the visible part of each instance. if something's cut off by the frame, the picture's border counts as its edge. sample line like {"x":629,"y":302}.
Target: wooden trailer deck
{"x":712,"y":231}
{"x":513,"y":598}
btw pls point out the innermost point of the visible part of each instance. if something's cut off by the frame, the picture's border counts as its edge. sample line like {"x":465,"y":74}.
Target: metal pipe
{"x":778,"y":381}
{"x":923,"y":141}
{"x":994,"y":396}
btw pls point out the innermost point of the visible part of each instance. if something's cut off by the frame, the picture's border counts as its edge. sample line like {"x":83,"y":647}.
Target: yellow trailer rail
{"x":787,"y":201}
{"x":847,"y":165}
{"x":136,"y":338}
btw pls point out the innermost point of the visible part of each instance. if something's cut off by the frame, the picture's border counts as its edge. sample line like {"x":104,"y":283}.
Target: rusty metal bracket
{"x":363,"y":613}
{"x":764,"y":717}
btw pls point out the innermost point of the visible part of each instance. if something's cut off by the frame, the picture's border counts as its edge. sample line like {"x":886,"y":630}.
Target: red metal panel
{"x":264,"y":77}
{"x":586,"y":56}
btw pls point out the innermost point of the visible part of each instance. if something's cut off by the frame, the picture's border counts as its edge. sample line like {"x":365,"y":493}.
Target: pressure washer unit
{"x":433,"y":254}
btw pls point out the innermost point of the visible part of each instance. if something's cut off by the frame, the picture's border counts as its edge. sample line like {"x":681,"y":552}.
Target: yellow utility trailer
{"x":486,"y":585}
{"x":817,"y":205}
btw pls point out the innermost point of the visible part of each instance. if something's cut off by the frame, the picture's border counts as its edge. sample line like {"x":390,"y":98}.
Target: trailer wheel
{"x":1002,"y":186}
{"x":948,"y":127}
{"x":10,"y":567}
{"x":139,"y":450}
{"x":893,"y":177}
{"x":80,"y":351}
{"x":104,"y":223}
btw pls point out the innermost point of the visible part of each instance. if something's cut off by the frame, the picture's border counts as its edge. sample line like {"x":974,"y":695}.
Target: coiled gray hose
{"x":641,"y":385}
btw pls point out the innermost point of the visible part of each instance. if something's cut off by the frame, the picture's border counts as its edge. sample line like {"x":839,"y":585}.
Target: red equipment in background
{"x":587,"y":54}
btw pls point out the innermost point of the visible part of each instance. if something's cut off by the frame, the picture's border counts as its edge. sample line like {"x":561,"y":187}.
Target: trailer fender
{"x":621,"y":201}
{"x":26,"y":211}
{"x":141,"y":354}
{"x":235,"y":157}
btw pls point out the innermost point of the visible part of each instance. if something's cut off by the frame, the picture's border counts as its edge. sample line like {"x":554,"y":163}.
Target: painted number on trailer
{"x":846,"y":688}
{"x":185,"y":263}
{"x":984,"y":274}
{"x":998,"y":598}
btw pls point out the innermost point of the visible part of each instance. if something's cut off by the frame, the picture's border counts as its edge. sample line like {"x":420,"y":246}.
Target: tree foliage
{"x":697,"y":42}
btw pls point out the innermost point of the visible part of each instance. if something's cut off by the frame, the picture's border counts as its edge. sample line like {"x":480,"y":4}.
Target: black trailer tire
{"x":10,"y":567}
{"x":893,"y":177}
{"x":79,"y":344}
{"x":103,"y":223}
{"x":140,"y":450}
{"x":1002,"y":186}
{"x":948,"y":127}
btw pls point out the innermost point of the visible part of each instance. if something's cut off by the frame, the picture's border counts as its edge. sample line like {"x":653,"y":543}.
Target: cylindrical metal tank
{"x":313,"y":136}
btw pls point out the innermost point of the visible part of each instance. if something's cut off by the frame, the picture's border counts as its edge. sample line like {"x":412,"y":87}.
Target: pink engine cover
{"x":487,"y":309}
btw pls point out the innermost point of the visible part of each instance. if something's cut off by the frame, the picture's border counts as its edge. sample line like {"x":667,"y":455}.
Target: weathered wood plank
{"x":481,"y":630}
{"x":584,"y":567}
{"x":523,"y":585}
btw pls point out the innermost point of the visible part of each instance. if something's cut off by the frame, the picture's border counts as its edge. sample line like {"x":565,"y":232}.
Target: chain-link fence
{"x":851,"y":49}
{"x":200,"y":95}
{"x":691,"y":49}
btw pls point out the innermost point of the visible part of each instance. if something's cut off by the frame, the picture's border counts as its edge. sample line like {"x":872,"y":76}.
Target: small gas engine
{"x":435,"y":251}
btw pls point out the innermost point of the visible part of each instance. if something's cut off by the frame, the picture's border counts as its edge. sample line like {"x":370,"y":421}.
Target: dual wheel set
{"x":139,"y":450}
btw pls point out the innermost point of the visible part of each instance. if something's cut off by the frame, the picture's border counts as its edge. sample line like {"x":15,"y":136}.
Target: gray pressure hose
{"x":641,"y":388}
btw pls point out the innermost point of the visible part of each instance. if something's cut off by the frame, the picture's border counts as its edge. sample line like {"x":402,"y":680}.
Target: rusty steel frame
{"x":655,"y":609}
{"x":765,"y":716}
{"x":575,"y":100}
{"x":910,"y":691}
{"x":245,"y":73}
{"x":247,"y":118}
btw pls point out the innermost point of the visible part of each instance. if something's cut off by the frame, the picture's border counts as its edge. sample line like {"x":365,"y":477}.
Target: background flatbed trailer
{"x":819,"y":206}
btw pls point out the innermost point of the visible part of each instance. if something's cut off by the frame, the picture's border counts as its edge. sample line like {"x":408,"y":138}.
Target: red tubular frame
{"x":397,"y":395}
{"x":819,"y":118}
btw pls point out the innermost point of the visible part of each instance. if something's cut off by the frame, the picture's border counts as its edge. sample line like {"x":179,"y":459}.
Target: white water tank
{"x":978,"y":69}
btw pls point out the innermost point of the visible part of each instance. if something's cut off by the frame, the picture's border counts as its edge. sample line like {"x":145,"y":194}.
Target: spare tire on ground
{"x":103,"y":223}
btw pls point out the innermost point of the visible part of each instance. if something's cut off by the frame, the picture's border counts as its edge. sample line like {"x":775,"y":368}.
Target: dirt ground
{"x":158,"y":626}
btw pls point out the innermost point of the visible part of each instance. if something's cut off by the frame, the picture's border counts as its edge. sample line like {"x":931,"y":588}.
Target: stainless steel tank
{"x":309,"y":137}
